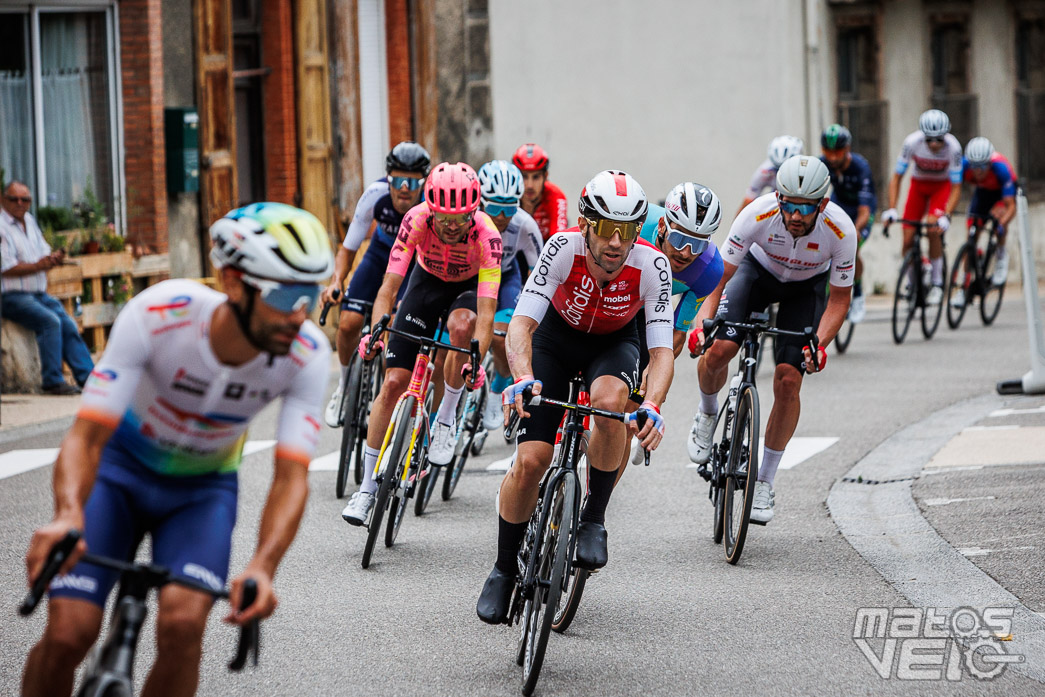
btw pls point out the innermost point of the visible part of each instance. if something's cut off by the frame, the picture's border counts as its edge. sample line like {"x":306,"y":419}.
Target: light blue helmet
{"x":500,"y":182}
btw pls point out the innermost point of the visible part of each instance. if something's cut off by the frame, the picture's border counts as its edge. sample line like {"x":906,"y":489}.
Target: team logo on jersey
{"x":776,"y":238}
{"x":177,"y":307}
{"x":188,"y":383}
{"x":766,"y":215}
{"x":814,"y":246}
{"x":104,"y":375}
{"x":834,"y":228}
{"x":205,"y":421}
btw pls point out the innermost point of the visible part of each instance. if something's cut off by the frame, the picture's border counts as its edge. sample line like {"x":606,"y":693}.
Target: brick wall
{"x":397,"y":51}
{"x":281,"y":148}
{"x":141,"y":56}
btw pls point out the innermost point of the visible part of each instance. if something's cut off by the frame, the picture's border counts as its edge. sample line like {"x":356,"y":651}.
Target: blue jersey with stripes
{"x":854,"y":186}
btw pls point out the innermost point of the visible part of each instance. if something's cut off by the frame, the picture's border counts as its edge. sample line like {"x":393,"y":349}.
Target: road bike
{"x":913,"y":285}
{"x":733,"y":467}
{"x":973,"y":273}
{"x":111,"y":671}
{"x":546,"y":558}
{"x":362,"y":385}
{"x":403,"y":463}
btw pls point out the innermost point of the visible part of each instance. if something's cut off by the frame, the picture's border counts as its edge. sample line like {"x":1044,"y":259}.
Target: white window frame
{"x":373,"y":88}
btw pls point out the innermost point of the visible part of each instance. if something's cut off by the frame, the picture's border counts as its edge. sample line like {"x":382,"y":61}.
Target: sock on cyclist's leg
{"x":448,"y":407}
{"x":858,"y":289}
{"x":509,"y":539}
{"x":498,"y":382}
{"x":344,"y":378}
{"x":708,"y":402}
{"x":937,"y":265}
{"x":770,"y":462}
{"x":600,"y":486}
{"x":369,"y":486}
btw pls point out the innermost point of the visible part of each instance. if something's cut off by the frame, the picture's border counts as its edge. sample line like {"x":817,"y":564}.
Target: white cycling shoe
{"x":857,"y":310}
{"x":444,"y":440}
{"x":699,"y":442}
{"x":958,"y":299}
{"x":1001,"y":270}
{"x":935,"y":296}
{"x":332,"y":415}
{"x":762,"y":504}
{"x":493,"y":412}
{"x":358,"y":508}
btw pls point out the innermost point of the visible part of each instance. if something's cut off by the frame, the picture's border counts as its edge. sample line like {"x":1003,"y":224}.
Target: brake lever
{"x":326,"y":308}
{"x":641,"y":417}
{"x":250,"y":633}
{"x":55,"y":558}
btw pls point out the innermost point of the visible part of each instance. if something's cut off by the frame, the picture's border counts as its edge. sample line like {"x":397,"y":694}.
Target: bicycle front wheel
{"x":960,"y":279}
{"x":991,"y":301}
{"x":403,"y":490}
{"x":905,"y":299}
{"x":390,"y":474}
{"x":351,"y":429}
{"x":472,"y":416}
{"x":551,"y":569}
{"x":741,"y":473}
{"x":931,"y":314}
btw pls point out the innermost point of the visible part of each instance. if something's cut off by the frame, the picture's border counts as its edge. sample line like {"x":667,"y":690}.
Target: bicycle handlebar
{"x":326,"y":308}
{"x":154,"y":577}
{"x":761,"y":326}
{"x":382,"y":327}
{"x":912,"y":223}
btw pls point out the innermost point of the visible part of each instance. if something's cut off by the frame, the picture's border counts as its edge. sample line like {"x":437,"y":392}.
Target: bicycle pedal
{"x":704,"y":472}
{"x":756,"y":522}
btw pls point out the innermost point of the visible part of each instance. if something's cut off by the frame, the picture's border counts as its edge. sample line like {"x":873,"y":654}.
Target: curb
{"x":37,"y":429}
{"x":874,"y":509}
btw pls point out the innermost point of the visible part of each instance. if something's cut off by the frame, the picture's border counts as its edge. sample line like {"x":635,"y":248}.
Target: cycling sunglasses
{"x":803,"y":208}
{"x":285,"y":297}
{"x":606,"y":228}
{"x":411,"y":183}
{"x":452,"y":218}
{"x":933,"y":139}
{"x":495,"y":209}
{"x":681,"y":240}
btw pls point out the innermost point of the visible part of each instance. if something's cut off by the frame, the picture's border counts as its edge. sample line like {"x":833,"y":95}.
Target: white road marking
{"x":798,"y":450}
{"x":1011,"y":412}
{"x":326,"y":463}
{"x":981,"y":552}
{"x":17,"y":461}
{"x":256,"y":446}
{"x":502,"y":465}
{"x":1007,"y":427}
{"x":944,"y":502}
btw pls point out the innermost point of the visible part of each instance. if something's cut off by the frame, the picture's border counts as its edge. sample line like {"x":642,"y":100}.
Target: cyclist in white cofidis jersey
{"x":159,"y":437}
{"x":764,"y":178}
{"x":577,"y":313}
{"x":784,"y":248}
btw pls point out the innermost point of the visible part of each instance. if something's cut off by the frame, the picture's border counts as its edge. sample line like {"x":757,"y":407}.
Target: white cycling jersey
{"x":760,"y":229}
{"x":522,"y":236}
{"x":929,"y":165}
{"x":561,"y":279}
{"x":177,"y":408}
{"x":763,"y":178}
{"x":374,"y":204}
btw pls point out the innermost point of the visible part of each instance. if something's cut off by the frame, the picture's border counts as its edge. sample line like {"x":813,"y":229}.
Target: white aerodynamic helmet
{"x":978,"y":152}
{"x":500,"y":182}
{"x":934,"y":123}
{"x":803,"y":176}
{"x":614,"y":195}
{"x":783,"y":147}
{"x":695,"y":208}
{"x":273,"y":241}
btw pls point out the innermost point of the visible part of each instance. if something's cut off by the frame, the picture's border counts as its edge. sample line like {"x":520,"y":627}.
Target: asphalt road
{"x":668,"y":616}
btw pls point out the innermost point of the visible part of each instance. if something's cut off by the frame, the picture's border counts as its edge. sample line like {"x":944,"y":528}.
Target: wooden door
{"x":314,"y":131}
{"x":213,"y":31}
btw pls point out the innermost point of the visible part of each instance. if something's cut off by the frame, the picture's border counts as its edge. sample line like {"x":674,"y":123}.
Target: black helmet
{"x":409,"y":157}
{"x":836,"y":137}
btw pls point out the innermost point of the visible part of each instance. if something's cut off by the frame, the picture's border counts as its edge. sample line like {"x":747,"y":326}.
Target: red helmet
{"x":530,"y":158}
{"x":452,"y":189}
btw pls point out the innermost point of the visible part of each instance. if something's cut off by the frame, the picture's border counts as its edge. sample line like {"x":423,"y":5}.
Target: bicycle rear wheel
{"x":390,"y":473}
{"x":425,"y":487}
{"x":551,"y":571}
{"x":960,"y":278}
{"x":844,"y":336}
{"x":931,"y":314}
{"x":373,"y":376}
{"x":905,"y":302}
{"x":717,"y":466}
{"x":472,"y":415}
{"x":741,"y":473}
{"x":350,"y":430}
{"x":991,"y":301}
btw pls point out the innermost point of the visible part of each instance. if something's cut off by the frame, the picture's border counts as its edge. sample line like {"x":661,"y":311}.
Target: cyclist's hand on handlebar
{"x":821,"y":359}
{"x":364,"y":344}
{"x":330,"y":294}
{"x":263,"y":606}
{"x":45,"y":538}
{"x":943,"y":222}
{"x":890,"y":216}
{"x":653,"y":432}
{"x":696,"y":342}
{"x":480,"y":379}
{"x":513,"y":395}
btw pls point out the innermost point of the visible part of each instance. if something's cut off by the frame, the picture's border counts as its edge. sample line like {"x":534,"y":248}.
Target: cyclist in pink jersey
{"x":935,"y":187}
{"x":458,"y":274}
{"x":541,"y":199}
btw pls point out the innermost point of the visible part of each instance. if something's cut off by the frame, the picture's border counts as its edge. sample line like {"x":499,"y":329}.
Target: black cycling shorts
{"x":560,"y":352}
{"x":426,"y":299}
{"x":800,"y":305}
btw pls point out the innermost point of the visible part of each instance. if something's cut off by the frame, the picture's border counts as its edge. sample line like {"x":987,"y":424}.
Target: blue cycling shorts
{"x":189,"y":519}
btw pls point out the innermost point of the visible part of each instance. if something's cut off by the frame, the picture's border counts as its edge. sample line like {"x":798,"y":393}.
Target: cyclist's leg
{"x":194,"y":540}
{"x":801,"y":305}
{"x":937,"y":204}
{"x":507,"y":299}
{"x":77,"y":599}
{"x":741,"y":296}
{"x":362,"y":288}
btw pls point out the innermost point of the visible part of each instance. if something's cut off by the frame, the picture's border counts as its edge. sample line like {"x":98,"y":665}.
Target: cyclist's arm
{"x":384,"y":303}
{"x":863,"y":216}
{"x":1008,"y":212}
{"x":834,"y":314}
{"x":398,"y":263}
{"x":952,"y":200}
{"x":342,"y":263}
{"x":363,"y":219}
{"x":486,"y":309}
{"x":894,"y":189}
{"x":710,"y":306}
{"x":519,"y":345}
{"x":678,"y":342}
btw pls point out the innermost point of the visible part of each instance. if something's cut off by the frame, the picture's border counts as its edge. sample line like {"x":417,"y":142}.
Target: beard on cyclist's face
{"x":797,"y":224}
{"x":608,"y":254}
{"x":679,"y":259}
{"x":533,"y":185}
{"x":451,"y":233}
{"x":273,"y":330}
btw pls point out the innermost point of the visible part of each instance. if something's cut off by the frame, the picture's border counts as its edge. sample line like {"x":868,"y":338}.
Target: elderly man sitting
{"x":23,"y":285}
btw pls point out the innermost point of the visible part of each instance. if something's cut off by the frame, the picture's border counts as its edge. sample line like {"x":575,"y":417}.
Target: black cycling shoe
{"x":496,"y":597}
{"x":591,"y":545}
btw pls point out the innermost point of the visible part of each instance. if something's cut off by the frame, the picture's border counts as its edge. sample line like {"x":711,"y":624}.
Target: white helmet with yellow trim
{"x":273,"y":241}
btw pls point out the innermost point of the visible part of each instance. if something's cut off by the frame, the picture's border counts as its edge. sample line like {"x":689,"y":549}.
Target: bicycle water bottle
{"x":927,"y":272}
{"x":734,"y":388}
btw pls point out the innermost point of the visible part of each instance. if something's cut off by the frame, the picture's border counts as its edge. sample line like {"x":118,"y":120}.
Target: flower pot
{"x":92,"y":247}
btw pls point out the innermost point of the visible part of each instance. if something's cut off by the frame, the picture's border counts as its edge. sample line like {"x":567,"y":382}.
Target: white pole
{"x":1034,"y":381}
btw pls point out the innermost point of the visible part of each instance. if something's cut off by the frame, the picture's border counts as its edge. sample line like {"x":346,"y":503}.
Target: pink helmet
{"x":452,"y":189}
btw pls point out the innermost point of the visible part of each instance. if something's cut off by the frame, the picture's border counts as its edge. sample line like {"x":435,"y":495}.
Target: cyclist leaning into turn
{"x":798,"y":242}
{"x":458,"y":273}
{"x":382,"y":205}
{"x":596,"y":279}
{"x":852,"y":188}
{"x":159,"y":437}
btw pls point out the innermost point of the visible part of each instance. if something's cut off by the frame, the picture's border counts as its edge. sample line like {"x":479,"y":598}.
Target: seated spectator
{"x":24,"y":260}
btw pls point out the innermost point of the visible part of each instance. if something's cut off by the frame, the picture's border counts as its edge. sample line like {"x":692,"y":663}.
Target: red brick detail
{"x":280,"y":138}
{"x":141,"y":69}
{"x":397,"y":53}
